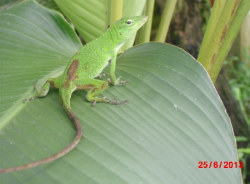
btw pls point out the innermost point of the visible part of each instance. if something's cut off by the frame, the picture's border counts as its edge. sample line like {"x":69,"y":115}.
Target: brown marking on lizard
{"x":72,"y":69}
{"x":89,"y":86}
{"x":71,"y":73}
{"x":86,"y":87}
{"x":66,"y":84}
{"x":52,"y":84}
{"x":104,"y":85}
{"x":93,"y":90}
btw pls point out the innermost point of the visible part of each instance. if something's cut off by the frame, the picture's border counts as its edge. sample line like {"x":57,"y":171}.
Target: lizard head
{"x":126,"y":27}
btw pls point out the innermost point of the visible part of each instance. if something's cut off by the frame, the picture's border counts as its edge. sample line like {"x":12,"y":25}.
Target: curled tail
{"x":51,"y":158}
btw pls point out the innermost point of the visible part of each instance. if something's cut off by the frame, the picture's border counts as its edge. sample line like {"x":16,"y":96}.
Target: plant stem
{"x":165,"y":20}
{"x":223,"y":26}
{"x":116,"y":10}
{"x":212,"y":22}
{"x":145,"y":31}
{"x":245,"y":40}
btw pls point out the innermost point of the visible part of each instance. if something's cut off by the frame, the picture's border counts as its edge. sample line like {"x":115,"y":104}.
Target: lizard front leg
{"x":115,"y":81}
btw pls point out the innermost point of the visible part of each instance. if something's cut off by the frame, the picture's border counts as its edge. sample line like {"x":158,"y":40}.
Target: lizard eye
{"x":129,"y":22}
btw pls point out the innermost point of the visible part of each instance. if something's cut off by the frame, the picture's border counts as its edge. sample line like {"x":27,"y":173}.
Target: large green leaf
{"x":88,"y":16}
{"x":174,"y":119}
{"x":91,"y":18}
{"x":49,"y":4}
{"x":6,"y":4}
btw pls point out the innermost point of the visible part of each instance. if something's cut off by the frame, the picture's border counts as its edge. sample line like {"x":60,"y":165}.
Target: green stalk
{"x":233,"y":30}
{"x":145,"y":31}
{"x":212,"y":24}
{"x":245,"y":40}
{"x":222,"y":28}
{"x":165,"y":20}
{"x":116,"y":10}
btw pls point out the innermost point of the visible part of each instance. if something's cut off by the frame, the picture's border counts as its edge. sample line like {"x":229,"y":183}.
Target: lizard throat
{"x":118,"y":47}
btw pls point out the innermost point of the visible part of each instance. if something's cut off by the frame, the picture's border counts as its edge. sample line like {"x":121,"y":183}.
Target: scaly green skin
{"x":81,"y":72}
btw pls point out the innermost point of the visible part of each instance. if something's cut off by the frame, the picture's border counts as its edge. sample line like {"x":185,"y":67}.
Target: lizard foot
{"x":101,"y":75}
{"x":31,"y":98}
{"x":28,"y":99}
{"x":118,"y":81}
{"x":121,"y":83}
{"x":104,"y":99}
{"x":109,"y":80}
{"x":115,"y":102}
{"x":94,"y":103}
{"x":36,"y":85}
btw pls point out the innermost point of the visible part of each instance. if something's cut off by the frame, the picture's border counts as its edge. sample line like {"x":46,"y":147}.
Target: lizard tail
{"x":51,"y":158}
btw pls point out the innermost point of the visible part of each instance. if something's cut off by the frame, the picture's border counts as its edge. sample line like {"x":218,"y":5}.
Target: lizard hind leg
{"x":44,"y":90}
{"x":52,"y":82}
{"x":95,"y":87}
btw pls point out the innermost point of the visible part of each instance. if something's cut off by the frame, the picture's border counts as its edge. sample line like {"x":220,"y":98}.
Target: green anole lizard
{"x":80,"y":74}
